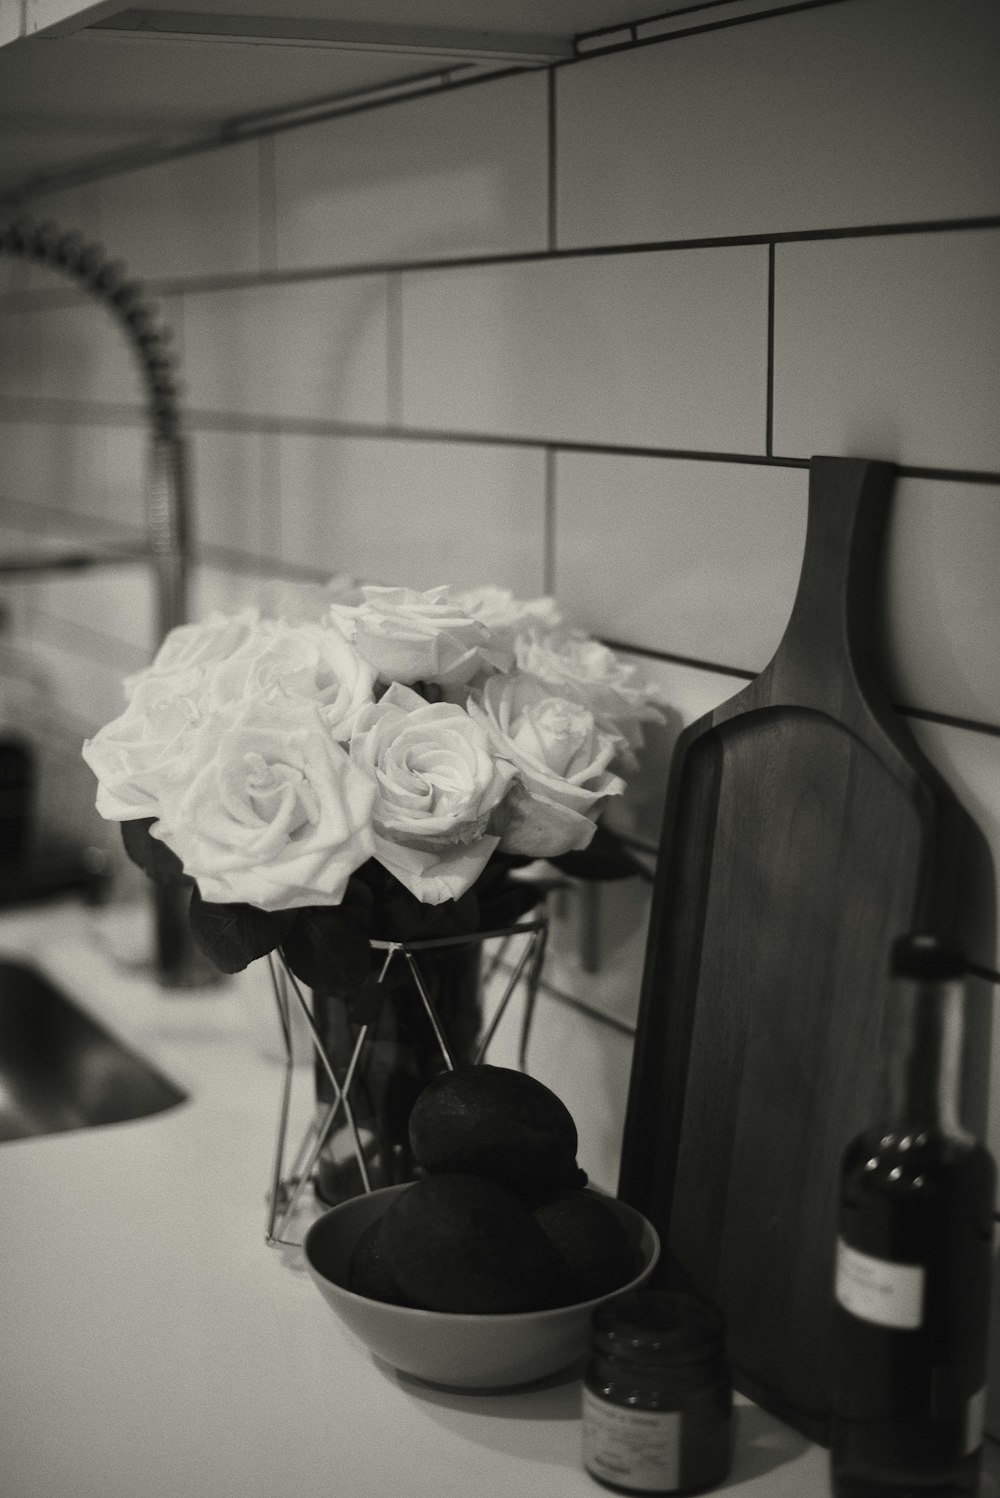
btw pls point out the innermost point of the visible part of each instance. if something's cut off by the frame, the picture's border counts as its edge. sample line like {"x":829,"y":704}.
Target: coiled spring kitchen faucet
{"x":168,"y":505}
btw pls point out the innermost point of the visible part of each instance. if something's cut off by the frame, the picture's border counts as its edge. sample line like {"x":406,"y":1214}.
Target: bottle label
{"x":638,"y":1449}
{"x":879,"y":1290}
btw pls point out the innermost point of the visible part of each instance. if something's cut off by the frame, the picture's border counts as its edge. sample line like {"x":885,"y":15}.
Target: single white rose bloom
{"x":575,"y":666}
{"x":505,"y":616}
{"x":562,"y":758}
{"x":273,"y":812}
{"x":411,"y":636}
{"x":307,"y":660}
{"x":198,"y":646}
{"x":140,"y":752}
{"x":439,"y":783}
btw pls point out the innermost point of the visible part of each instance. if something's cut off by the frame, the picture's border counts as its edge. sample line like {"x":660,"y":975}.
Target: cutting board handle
{"x":829,"y":629}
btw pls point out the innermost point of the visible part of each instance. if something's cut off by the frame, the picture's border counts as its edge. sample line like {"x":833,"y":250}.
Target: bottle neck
{"x":924,"y":1060}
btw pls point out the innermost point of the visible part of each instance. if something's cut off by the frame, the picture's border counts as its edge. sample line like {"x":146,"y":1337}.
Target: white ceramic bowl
{"x":444,"y":1347}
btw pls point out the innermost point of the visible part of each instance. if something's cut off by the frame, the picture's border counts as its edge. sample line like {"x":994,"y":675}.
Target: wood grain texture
{"x":803,"y":831}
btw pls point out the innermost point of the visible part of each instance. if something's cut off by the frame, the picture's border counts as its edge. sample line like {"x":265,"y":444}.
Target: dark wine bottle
{"x":914,"y":1257}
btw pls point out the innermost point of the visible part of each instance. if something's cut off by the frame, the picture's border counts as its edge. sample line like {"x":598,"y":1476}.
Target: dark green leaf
{"x":327,"y":948}
{"x":505,"y":903}
{"x":402,"y":917}
{"x":605,"y":857}
{"x":153,"y":857}
{"x":235,"y":935}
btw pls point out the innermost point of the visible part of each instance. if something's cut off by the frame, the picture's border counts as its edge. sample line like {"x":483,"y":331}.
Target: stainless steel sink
{"x":60,"y":1069}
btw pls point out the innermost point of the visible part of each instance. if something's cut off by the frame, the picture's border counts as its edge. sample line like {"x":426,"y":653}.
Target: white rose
{"x":439,"y":784}
{"x":198,"y":646}
{"x":306,"y":660}
{"x":138,"y":753}
{"x":411,"y":636}
{"x":505,"y":616}
{"x":273,"y":812}
{"x":562,"y":757}
{"x":575,"y":666}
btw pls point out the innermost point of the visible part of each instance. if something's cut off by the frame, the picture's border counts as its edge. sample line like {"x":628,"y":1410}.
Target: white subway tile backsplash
{"x":970,"y":763}
{"x":233,"y":505}
{"x":684,"y":695}
{"x":842,"y":115}
{"x":96,"y":472}
{"x":310,"y":350}
{"x":414,"y":513}
{"x":940,"y":616}
{"x":890,"y":348}
{"x":70,"y":352}
{"x":661,"y":350}
{"x":694,"y":558}
{"x":597,"y":937}
{"x":190,"y":216}
{"x":456,"y":173}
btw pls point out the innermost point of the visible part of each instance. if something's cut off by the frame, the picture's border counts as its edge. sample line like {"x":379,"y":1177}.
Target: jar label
{"x":879,"y":1290}
{"x":638,"y":1449}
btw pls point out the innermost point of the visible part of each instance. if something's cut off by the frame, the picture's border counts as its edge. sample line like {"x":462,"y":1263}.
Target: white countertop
{"x":153,"y":1346}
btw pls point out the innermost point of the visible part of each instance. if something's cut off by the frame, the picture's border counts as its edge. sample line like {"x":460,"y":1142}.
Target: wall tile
{"x":414,"y":513}
{"x":191,"y":216}
{"x":970,"y":763}
{"x":890,"y":348}
{"x":597,"y":939}
{"x":95,"y":472}
{"x":232,"y":502}
{"x":70,"y":352}
{"x":942,"y":611}
{"x":308,"y":350}
{"x":818,"y":119}
{"x":459,"y":173}
{"x":684,"y":695}
{"x":218,"y":587}
{"x":695,"y":558}
{"x":662,"y":350}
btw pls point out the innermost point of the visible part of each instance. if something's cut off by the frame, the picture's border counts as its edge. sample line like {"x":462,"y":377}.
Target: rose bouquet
{"x":379,"y":772}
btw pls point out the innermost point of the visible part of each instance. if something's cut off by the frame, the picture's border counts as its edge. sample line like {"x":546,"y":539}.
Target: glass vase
{"x":400,"y":1053}
{"x":430,"y":1006}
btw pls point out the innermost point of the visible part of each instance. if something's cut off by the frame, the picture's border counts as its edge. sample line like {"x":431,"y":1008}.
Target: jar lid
{"x":660,"y":1326}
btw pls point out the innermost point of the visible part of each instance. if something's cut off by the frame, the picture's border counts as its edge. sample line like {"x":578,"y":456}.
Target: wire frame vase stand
{"x":288,"y":1181}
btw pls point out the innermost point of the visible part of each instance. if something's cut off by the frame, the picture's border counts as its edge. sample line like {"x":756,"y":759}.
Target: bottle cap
{"x":657,"y":1326}
{"x":924,"y":956}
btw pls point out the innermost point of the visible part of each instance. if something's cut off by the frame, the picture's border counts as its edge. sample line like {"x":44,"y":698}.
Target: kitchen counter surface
{"x":153,"y":1346}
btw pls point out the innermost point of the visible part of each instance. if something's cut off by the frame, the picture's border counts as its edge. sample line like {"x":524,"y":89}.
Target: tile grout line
{"x":549,"y":532}
{"x":394,"y":349}
{"x":769,"y":411}
{"x":46,"y":410}
{"x":202,"y":285}
{"x":551,"y":141}
{"x":267,"y":211}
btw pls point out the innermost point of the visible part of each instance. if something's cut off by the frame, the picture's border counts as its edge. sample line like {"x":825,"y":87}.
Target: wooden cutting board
{"x":803,"y":831}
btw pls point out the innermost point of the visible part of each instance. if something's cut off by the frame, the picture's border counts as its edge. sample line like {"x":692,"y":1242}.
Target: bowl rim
{"x":477,"y":1318}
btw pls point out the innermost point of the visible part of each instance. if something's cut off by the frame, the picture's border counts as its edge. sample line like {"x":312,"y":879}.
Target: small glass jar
{"x":657,"y":1395}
